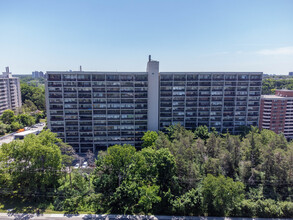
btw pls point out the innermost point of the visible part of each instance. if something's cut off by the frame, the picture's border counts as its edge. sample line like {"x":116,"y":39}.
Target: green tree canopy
{"x":7,"y":116}
{"x":221,"y":195}
{"x":149,"y":138}
{"x":32,"y":165}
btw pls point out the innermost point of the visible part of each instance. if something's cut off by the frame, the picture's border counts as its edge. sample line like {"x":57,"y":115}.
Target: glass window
{"x":69,"y":77}
{"x":83,"y":77}
{"x":98,"y":77}
{"x":54,"y":77}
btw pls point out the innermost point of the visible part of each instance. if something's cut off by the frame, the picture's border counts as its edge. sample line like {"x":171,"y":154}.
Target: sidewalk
{"x":24,"y":216}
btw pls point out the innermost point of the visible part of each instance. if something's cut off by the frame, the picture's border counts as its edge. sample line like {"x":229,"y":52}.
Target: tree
{"x":148,"y":197}
{"x":15,"y":126}
{"x":189,"y":203}
{"x":38,"y":116}
{"x":35,"y":94}
{"x":68,"y":154}
{"x":126,"y":178}
{"x":112,"y":168}
{"x":7,"y":116}
{"x":33,"y":165}
{"x":71,"y":194}
{"x":202,"y":132}
{"x":25,"y":120}
{"x":90,"y":157}
{"x":221,"y":195}
{"x":3,"y":128}
{"x":29,"y":106}
{"x":149,"y":138}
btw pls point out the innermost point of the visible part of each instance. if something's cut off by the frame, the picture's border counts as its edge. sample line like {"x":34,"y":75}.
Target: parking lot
{"x":10,"y":137}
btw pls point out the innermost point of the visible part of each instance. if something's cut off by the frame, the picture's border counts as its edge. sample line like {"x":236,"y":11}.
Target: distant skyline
{"x":118,"y":35}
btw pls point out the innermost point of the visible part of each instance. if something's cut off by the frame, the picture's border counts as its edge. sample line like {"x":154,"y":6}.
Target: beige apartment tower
{"x":94,"y":110}
{"x":10,"y":96}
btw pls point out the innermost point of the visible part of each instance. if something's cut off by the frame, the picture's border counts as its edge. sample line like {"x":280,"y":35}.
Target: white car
{"x":84,"y":165}
{"x":76,"y":166}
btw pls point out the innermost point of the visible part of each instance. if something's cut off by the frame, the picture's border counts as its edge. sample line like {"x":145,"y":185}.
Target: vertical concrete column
{"x":153,"y":95}
{"x":47,"y":101}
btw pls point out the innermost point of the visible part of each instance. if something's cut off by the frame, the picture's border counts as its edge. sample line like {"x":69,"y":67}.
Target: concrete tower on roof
{"x":153,"y":91}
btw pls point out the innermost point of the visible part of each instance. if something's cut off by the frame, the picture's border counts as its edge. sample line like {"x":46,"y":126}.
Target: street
{"x":23,"y":216}
{"x":10,"y":137}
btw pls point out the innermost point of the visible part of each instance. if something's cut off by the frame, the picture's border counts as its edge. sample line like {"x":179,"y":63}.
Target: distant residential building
{"x":10,"y":96}
{"x":93,"y":110}
{"x":37,"y":74}
{"x":290,"y":73}
{"x":276,"y":112}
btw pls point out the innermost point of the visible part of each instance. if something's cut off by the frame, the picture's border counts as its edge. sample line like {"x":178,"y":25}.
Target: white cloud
{"x":277,"y":51}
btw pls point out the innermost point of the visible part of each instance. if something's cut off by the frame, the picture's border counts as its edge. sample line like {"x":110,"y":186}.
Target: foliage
{"x":148,"y":197}
{"x":270,"y":85}
{"x":7,"y":116}
{"x":9,"y":122}
{"x":202,"y":132}
{"x":33,"y":165}
{"x":132,"y":182}
{"x":15,"y":126}
{"x":28,"y":106}
{"x":3,"y":128}
{"x":149,"y":138}
{"x":74,"y":187}
{"x":25,"y":119}
{"x":90,"y":157}
{"x":34,"y":94}
{"x":179,"y":172}
{"x":221,"y":195}
{"x":189,"y":203}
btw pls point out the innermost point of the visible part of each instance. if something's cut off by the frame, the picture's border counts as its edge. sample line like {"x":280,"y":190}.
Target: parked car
{"x":84,"y":165}
{"x":76,"y":166}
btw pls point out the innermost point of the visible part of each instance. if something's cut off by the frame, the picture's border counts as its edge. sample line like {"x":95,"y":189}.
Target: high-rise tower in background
{"x":93,"y":110}
{"x":10,"y":96}
{"x":37,"y":74}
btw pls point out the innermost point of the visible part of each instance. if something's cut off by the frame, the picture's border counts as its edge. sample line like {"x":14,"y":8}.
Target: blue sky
{"x":118,"y":35}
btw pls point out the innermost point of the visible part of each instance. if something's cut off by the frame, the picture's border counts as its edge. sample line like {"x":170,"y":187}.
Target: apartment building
{"x":276,"y":112}
{"x":37,"y":74}
{"x":93,"y":110}
{"x":10,"y":96}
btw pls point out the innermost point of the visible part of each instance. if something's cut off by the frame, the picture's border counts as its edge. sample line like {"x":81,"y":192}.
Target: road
{"x":10,"y":137}
{"x":116,"y":217}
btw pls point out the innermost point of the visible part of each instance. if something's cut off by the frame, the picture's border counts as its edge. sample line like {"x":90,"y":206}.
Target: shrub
{"x":287,"y":209}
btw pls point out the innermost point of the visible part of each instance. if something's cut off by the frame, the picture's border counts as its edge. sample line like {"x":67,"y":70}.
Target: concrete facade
{"x":10,"y":96}
{"x":153,"y":92}
{"x":93,"y":110}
